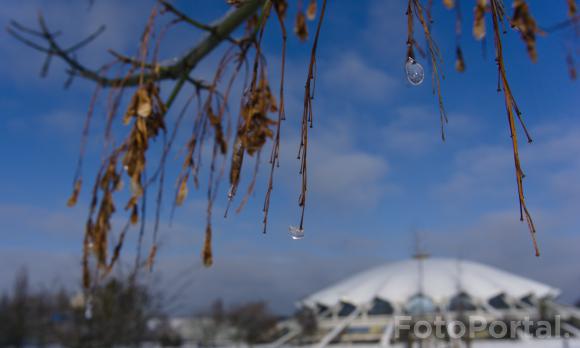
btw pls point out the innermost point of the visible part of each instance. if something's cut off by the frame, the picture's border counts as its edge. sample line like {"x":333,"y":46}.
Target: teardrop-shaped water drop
{"x":415,"y":72}
{"x":296,"y":232}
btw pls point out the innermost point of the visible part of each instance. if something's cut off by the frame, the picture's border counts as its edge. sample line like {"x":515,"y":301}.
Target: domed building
{"x":424,"y":302}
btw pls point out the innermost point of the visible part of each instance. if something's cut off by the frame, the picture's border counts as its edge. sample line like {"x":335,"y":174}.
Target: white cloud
{"x":352,"y":177}
{"x":351,"y":77}
{"x":385,"y":32}
{"x":411,"y":130}
{"x":62,"y":122}
{"x":551,"y":164}
{"x":41,"y":222}
{"x":483,"y":178}
{"x":480,"y":172}
{"x":415,"y":130}
{"x":340,"y":175}
{"x":501,"y":240}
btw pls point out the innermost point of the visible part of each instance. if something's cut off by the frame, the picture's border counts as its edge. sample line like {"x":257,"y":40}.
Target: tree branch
{"x":180,"y":69}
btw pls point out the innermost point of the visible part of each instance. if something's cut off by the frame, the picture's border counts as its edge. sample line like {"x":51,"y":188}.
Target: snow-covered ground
{"x":544,"y":343}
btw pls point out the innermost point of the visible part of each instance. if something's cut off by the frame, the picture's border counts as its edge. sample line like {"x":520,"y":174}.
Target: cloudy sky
{"x":379,"y":173}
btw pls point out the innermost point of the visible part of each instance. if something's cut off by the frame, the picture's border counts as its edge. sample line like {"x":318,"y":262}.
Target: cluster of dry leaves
{"x":259,"y":118}
{"x":258,"y":121}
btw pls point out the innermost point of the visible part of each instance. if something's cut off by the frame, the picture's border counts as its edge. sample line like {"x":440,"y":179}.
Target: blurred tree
{"x":120,"y":311}
{"x":15,"y":313}
{"x":216,"y":322}
{"x":307,"y":320}
{"x":253,"y":322}
{"x":118,"y":317}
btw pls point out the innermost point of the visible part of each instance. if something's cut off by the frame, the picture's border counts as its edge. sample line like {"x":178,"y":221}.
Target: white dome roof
{"x":442,"y":279}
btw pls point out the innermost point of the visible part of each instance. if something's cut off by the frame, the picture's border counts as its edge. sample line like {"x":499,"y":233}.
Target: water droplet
{"x":415,"y":72}
{"x":296,"y":232}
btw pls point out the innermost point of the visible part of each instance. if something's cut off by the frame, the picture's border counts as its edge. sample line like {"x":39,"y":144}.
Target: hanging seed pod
{"x":311,"y":10}
{"x":216,"y":122}
{"x":86,"y":253}
{"x":255,"y":129}
{"x":207,"y":252}
{"x":479,"y":19}
{"x":449,"y":4}
{"x":459,"y":61}
{"x":140,"y":105}
{"x":281,"y":7}
{"x":236,"y":169}
{"x":571,"y":66}
{"x":182,"y":192}
{"x":300,"y":27}
{"x":134,"y":215}
{"x":572,"y":8}
{"x":523,"y":21}
{"x":151,"y":257}
{"x":72,"y":201}
{"x":236,"y":3}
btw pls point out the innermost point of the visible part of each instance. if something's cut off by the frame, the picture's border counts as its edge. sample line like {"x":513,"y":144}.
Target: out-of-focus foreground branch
{"x":179,"y":69}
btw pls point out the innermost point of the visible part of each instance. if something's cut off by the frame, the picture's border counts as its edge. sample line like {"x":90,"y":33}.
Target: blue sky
{"x":379,"y":172}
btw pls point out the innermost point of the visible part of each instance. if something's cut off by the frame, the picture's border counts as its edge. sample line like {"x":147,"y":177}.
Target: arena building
{"x":425,"y":302}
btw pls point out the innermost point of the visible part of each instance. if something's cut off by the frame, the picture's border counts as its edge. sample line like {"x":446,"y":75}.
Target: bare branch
{"x":178,"y":70}
{"x":185,"y":18}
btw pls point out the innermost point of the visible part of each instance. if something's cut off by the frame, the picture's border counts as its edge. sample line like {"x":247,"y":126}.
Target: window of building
{"x":498,"y":302}
{"x":461,"y":302}
{"x":380,"y":307}
{"x":420,"y":304}
{"x":346,"y":309}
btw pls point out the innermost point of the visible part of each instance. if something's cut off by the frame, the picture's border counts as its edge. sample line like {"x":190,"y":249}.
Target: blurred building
{"x":392,"y":305}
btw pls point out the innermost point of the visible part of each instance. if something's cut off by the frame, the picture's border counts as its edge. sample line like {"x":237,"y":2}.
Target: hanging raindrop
{"x":296,"y":232}
{"x":415,"y":72}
